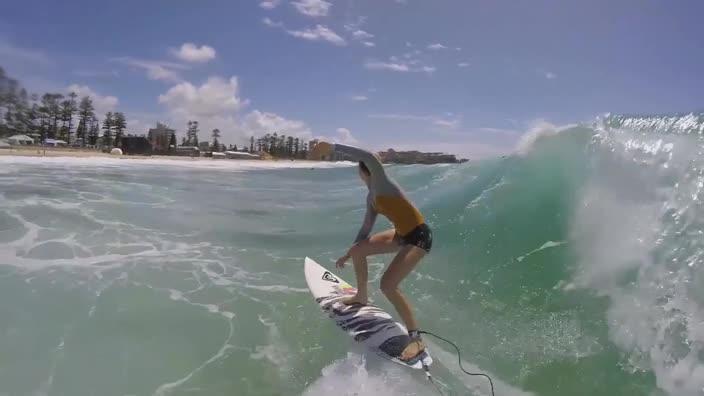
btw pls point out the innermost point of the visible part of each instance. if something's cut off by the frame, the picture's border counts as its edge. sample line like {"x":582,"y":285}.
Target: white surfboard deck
{"x":367,"y":324}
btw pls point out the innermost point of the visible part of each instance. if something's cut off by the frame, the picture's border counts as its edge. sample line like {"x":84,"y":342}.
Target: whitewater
{"x":570,"y":267}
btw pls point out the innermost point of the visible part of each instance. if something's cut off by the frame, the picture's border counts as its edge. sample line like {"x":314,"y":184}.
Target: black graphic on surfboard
{"x":330,"y":277}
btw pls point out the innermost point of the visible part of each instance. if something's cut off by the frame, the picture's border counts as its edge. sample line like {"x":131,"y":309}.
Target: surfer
{"x":411,"y":239}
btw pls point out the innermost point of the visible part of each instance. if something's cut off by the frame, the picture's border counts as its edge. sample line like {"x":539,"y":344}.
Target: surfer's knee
{"x":388,"y":286}
{"x":358,"y":251}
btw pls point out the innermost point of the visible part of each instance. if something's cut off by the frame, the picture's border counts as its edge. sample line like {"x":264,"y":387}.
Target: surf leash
{"x":430,"y":378}
{"x":459,"y":360}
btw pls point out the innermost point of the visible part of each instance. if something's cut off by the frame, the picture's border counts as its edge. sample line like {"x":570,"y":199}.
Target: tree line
{"x":74,"y":120}
{"x":55,"y":116}
{"x":280,"y":146}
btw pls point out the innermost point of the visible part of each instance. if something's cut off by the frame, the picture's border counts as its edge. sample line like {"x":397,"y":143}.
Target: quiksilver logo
{"x":330,"y":277}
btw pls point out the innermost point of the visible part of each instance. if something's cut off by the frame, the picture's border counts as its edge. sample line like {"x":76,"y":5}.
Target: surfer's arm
{"x":376,"y":168}
{"x":369,"y":220}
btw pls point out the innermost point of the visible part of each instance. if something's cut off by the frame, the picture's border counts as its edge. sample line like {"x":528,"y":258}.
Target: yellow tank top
{"x":402,"y":214}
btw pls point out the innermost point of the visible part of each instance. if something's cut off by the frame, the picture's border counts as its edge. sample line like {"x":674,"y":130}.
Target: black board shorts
{"x":421,"y":236}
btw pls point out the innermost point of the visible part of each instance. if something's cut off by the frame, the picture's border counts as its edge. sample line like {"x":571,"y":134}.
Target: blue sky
{"x":464,"y":76}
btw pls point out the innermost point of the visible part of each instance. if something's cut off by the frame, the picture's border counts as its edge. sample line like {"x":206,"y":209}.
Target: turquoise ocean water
{"x":570,"y":267}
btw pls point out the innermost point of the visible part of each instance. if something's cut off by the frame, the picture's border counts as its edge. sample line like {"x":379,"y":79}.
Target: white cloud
{"x":9,"y":51}
{"x":215,"y":97}
{"x":391,"y":66}
{"x":190,"y":52}
{"x":217,"y":104}
{"x":360,"y":34}
{"x":138,"y":125}
{"x":446,"y":123}
{"x":258,"y":123}
{"x":369,"y":44}
{"x":399,"y":65}
{"x":214,"y":104}
{"x":269,"y":4}
{"x":550,"y":75}
{"x":436,"y":47}
{"x":463,"y":64}
{"x":359,"y":98}
{"x":267,"y":21}
{"x":318,"y":33}
{"x":102,"y":104}
{"x":156,"y":70}
{"x":312,"y":8}
{"x":344,"y":136}
{"x":429,"y":69}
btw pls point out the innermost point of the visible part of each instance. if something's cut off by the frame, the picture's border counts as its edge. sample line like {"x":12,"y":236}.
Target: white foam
{"x":546,"y":245}
{"x":352,"y":376}
{"x":538,"y":130}
{"x":275,"y":351}
{"x":636,"y":236}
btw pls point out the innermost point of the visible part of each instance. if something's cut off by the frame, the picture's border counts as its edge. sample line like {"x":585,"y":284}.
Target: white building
{"x":240,"y":155}
{"x":20,"y":140}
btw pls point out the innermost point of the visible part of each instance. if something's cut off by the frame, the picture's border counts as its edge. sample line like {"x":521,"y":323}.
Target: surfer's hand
{"x":342,"y":260}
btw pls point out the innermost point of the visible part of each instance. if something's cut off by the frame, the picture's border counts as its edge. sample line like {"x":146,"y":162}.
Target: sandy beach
{"x":36,"y":151}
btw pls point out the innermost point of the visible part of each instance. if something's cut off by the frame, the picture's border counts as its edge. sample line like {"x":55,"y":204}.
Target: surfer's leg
{"x":380,"y":243}
{"x":402,"y":265}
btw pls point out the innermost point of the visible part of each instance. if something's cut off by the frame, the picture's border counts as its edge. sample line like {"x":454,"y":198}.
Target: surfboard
{"x":367,"y":324}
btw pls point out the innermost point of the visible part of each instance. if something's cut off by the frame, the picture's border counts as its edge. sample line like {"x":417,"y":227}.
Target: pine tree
{"x":183,"y":141}
{"x":119,"y":124}
{"x":55,"y":112}
{"x":51,"y":109}
{"x":289,"y":147}
{"x":86,"y":113}
{"x":216,"y":143}
{"x":94,"y":131}
{"x":274,"y":139}
{"x":108,"y":129}
{"x":251,"y":143}
{"x":68,"y":109}
{"x":296,"y":146}
{"x":172,"y":142}
{"x":32,"y":117}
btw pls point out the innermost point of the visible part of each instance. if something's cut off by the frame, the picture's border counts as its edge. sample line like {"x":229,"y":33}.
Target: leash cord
{"x":459,"y":360}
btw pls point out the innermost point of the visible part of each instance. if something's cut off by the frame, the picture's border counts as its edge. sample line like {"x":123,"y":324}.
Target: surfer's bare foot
{"x":412,"y":349}
{"x":356,"y":299}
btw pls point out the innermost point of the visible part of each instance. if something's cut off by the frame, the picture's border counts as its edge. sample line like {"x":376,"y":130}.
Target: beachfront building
{"x":162,"y":138}
{"x":241,"y":155}
{"x":187,"y":151}
{"x":20,"y":140}
{"x":204,"y":146}
{"x":136,"y":145}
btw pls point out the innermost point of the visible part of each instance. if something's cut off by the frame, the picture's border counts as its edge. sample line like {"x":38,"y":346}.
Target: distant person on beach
{"x":411,"y":239}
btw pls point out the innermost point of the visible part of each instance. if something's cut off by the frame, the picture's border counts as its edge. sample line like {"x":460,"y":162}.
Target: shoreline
{"x":82,"y":158}
{"x":53,"y":152}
